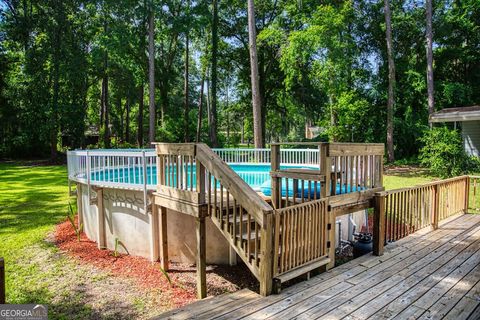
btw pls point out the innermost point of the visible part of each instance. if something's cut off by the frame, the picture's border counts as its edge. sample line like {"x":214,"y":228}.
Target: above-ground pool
{"x":256,"y":176}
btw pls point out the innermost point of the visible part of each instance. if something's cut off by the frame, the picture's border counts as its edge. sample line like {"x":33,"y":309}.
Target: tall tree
{"x":429,"y":36}
{"x":105,"y":93}
{"x":151,"y":75}
{"x":56,"y":79}
{"x":391,"y":81}
{"x":214,"y":76}
{"x":256,"y":98}
{"x":200,"y":108}
{"x":186,"y":101}
{"x":140,"y":116}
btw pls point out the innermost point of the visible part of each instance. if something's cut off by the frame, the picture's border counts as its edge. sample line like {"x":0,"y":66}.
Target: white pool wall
{"x":125,"y":219}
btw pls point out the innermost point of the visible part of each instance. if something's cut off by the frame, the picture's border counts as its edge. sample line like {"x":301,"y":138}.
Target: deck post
{"x":2,"y":281}
{"x":467,"y":194}
{"x":436,"y":206}
{"x":275,"y":166}
{"x":326,"y":170}
{"x":379,"y":225}
{"x":331,"y":236}
{"x":201,"y":258}
{"x":266,"y":263}
{"x":154,"y":233}
{"x":232,"y":256}
{"x":101,"y":239}
{"x":163,"y":238}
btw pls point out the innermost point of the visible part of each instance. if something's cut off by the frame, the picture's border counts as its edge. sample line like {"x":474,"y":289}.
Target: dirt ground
{"x":102,"y":285}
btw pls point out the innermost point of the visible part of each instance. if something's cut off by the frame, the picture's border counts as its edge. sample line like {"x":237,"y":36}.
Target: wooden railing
{"x":343,"y":168}
{"x":193,"y":179}
{"x":244,"y":218}
{"x":292,"y":238}
{"x":355,"y":167}
{"x":401,"y":212}
{"x":301,"y":239}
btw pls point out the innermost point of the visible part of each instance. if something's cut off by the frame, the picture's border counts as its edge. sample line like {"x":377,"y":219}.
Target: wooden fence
{"x":401,"y":212}
{"x":301,"y":238}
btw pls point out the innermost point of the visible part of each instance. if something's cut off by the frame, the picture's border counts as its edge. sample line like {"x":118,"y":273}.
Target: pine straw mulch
{"x":148,"y":275}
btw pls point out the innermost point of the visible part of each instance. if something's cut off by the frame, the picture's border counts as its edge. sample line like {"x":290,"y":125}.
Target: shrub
{"x":443,"y":153}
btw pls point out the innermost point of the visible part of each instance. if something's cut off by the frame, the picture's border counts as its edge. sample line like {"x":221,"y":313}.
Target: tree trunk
{"x":140,"y":118}
{"x":242,"y":137}
{"x":200,"y":109}
{"x":151,"y":77}
{"x":256,"y":100}
{"x":262,"y":78}
{"x":185,"y":91}
{"x":209,"y":102}
{"x":391,"y":82}
{"x":127,"y":119}
{"x":56,"y":88}
{"x":430,"y":90}
{"x":105,"y":107}
{"x":213,"y":105}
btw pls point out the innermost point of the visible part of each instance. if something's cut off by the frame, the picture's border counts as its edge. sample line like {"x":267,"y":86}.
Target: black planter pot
{"x":363,"y":245}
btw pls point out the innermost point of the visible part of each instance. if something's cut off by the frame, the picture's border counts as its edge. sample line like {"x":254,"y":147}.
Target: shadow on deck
{"x":427,"y":275}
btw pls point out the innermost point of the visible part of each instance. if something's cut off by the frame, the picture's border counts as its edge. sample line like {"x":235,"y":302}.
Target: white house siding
{"x":471,"y":137}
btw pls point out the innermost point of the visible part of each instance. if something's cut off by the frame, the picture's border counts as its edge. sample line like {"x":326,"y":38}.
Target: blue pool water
{"x":256,"y":176}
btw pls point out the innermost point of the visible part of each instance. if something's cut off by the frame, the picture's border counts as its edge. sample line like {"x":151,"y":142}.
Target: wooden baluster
{"x":257,"y":248}
{"x":228,"y":212}
{"x":284,"y":242}
{"x":234,"y":231}
{"x":249,"y":232}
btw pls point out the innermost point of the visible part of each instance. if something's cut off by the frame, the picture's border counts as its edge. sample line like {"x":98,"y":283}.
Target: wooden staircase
{"x":277,"y":243}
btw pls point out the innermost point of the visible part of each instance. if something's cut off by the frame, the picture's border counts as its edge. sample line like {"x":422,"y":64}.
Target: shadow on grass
{"x":71,"y":306}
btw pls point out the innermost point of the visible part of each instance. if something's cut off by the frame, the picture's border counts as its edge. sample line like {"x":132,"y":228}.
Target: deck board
{"x":427,"y":275}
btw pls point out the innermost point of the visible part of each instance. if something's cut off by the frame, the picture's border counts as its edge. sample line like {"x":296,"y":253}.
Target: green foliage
{"x":118,"y":244}
{"x":443,"y":153}
{"x":165,"y":273}
{"x":322,"y":63}
{"x":71,"y":217}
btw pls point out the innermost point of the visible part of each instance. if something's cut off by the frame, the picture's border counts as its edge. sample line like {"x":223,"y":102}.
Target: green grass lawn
{"x":405,"y":180}
{"x":32,"y":200}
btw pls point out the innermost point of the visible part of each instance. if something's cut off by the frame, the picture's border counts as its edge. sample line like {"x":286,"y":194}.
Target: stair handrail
{"x":239,"y":189}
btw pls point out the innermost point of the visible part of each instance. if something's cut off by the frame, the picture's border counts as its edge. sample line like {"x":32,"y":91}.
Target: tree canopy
{"x":75,"y":73}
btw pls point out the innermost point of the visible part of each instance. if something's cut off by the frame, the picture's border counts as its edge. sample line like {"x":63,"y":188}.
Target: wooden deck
{"x":427,"y":275}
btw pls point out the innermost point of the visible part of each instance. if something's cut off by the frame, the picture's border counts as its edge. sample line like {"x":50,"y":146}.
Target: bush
{"x":444,"y":155}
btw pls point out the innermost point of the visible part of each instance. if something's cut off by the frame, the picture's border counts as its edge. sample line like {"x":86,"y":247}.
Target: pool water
{"x":255,"y":175}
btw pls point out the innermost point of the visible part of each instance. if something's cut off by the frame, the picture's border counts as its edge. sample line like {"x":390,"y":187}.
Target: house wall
{"x":471,"y":137}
